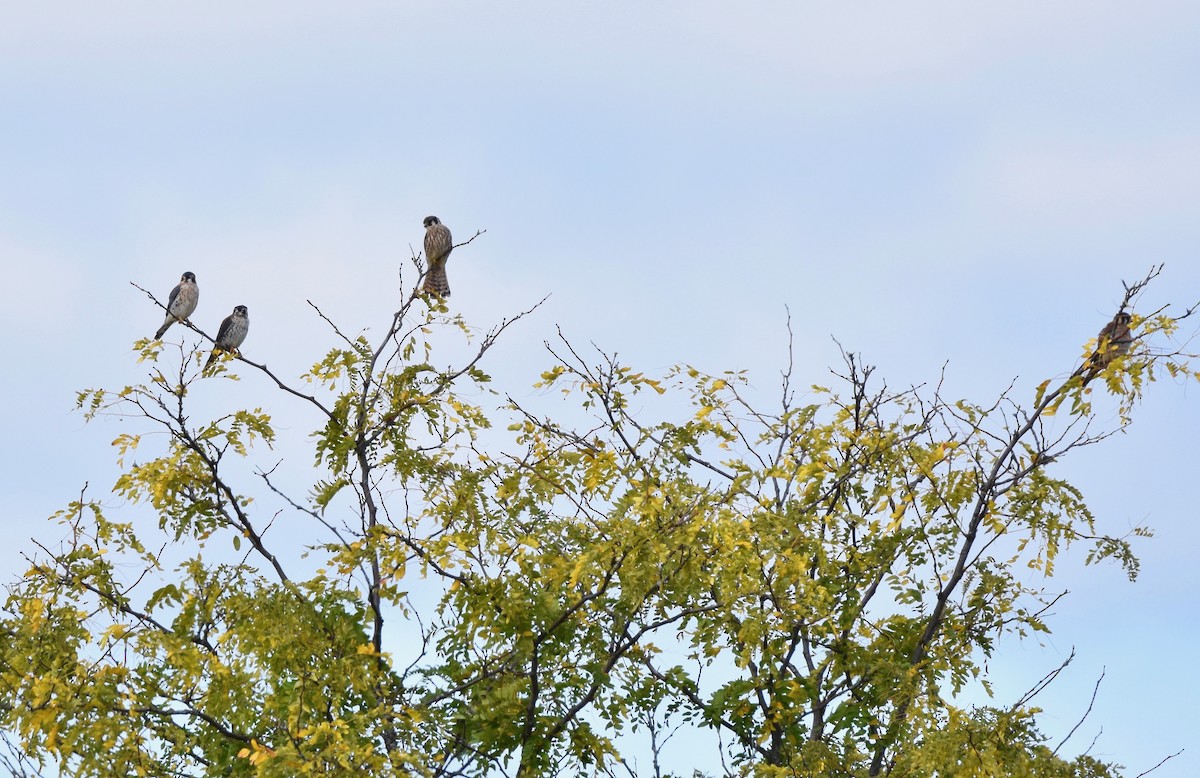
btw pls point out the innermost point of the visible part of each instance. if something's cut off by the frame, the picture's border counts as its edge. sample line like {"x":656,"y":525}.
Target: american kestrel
{"x":1114,"y":340}
{"x":438,"y":245}
{"x":182,"y":302}
{"x":232,"y":333}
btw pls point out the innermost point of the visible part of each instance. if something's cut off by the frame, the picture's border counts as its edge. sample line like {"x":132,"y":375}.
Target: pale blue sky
{"x":930,"y":182}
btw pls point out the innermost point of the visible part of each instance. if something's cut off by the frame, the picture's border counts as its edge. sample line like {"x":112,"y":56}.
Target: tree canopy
{"x":470,"y":585}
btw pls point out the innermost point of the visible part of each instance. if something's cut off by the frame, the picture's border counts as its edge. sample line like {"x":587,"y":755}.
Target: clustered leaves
{"x":811,"y":583}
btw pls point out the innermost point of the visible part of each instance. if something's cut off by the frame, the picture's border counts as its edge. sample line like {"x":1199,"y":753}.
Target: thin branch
{"x":1086,"y":713}
{"x":1164,"y":760}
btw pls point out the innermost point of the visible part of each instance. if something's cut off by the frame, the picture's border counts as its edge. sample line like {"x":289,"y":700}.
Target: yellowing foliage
{"x":809,"y":581}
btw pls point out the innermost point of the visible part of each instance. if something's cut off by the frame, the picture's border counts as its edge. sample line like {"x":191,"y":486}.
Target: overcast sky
{"x":930,"y":183}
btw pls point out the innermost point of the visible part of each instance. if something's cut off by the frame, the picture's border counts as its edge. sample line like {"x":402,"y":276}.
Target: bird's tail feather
{"x":436,"y":282}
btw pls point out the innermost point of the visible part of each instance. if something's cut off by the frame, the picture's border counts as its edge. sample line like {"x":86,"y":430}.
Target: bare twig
{"x":1162,"y":762}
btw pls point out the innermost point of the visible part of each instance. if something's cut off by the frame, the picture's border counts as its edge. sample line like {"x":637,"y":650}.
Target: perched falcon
{"x":182,"y":302}
{"x":1114,"y":340}
{"x":438,"y":245}
{"x":232,"y":333}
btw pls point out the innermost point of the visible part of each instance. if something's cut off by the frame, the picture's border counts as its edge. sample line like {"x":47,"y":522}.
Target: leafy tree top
{"x":810,"y":582}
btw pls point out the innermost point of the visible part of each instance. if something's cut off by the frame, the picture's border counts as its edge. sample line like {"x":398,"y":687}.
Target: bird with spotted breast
{"x":232,"y":333}
{"x":182,"y":302}
{"x":1115,"y":339}
{"x":438,"y":245}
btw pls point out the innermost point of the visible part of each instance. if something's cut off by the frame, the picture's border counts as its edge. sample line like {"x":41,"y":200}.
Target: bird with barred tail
{"x":232,"y":333}
{"x":438,"y":245}
{"x":1114,"y":340}
{"x":182,"y":302}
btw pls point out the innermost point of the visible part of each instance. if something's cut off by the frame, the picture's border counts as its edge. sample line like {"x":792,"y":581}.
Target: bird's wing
{"x":223,"y":333}
{"x":438,"y":243}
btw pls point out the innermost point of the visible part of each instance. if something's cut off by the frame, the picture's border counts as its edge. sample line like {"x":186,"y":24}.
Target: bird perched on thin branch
{"x":182,"y":302}
{"x":438,"y":245}
{"x":1113,"y":341}
{"x":232,"y":333}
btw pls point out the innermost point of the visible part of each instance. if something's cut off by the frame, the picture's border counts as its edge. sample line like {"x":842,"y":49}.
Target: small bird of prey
{"x":1113,"y":341}
{"x":438,"y":245}
{"x":232,"y":333}
{"x":182,"y":302}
